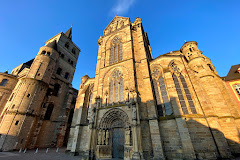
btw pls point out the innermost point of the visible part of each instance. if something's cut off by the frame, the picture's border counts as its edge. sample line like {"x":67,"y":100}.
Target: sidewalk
{"x":41,"y":155}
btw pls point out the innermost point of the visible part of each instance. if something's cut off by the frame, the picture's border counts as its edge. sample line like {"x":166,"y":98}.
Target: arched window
{"x":59,"y":71}
{"x":166,"y":103}
{"x":159,"y":103}
{"x":49,"y":112}
{"x":116,"y":51}
{"x":4,"y":82}
{"x":66,"y":75}
{"x":56,"y":89}
{"x":90,"y":106}
{"x":67,"y":45}
{"x":180,"y":94}
{"x":116,"y":86}
{"x":188,"y":95}
{"x":163,"y":106}
{"x":73,"y":51}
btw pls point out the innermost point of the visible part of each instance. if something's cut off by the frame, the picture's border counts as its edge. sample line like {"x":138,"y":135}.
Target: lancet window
{"x":188,"y":95}
{"x":116,"y":87}
{"x":90,"y":106}
{"x":116,"y":50}
{"x":163,"y":104}
{"x":182,"y":90}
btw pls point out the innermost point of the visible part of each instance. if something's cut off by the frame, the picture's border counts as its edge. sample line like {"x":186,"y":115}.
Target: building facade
{"x":172,"y":107}
{"x":37,"y":99}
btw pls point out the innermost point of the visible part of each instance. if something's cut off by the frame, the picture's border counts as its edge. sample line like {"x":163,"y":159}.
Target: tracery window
{"x":116,"y":87}
{"x":116,"y":50}
{"x":181,"y":91}
{"x":163,"y":104}
{"x":188,"y":95}
{"x":90,"y":106}
{"x":180,"y":94}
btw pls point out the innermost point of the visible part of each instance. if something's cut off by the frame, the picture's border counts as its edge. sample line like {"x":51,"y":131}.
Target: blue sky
{"x":26,"y":25}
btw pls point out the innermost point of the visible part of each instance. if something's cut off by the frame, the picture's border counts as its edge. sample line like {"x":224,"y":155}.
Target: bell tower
{"x":21,"y":124}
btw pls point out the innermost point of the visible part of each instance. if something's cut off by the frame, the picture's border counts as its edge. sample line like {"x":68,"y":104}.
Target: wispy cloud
{"x":122,"y":6}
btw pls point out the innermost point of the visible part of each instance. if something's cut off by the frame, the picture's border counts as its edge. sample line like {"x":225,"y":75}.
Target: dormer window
{"x":67,"y":45}
{"x":238,"y":70}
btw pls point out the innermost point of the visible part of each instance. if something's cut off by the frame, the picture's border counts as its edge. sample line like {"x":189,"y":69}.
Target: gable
{"x":116,"y":23}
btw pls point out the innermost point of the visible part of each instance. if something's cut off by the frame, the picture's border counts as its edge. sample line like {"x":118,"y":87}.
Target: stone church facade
{"x":37,"y":99}
{"x":172,"y":107}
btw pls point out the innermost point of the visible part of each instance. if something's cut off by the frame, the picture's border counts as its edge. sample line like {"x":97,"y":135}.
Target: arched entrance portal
{"x":111,"y":134}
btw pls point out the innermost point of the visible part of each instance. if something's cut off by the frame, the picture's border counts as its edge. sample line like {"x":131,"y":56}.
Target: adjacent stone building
{"x":37,"y":99}
{"x":172,"y":107}
{"x":233,"y":82}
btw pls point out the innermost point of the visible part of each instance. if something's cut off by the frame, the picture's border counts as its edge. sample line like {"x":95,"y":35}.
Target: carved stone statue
{"x":103,"y":137}
{"x":134,"y":111}
{"x":127,"y":136}
{"x":100,"y":137}
{"x":107,"y":137}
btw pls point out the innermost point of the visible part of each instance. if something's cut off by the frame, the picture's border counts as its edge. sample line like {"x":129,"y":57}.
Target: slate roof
{"x":69,"y":33}
{"x":52,"y":45}
{"x":233,"y":74}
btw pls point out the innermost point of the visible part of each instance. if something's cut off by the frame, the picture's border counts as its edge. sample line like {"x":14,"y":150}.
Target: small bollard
{"x":36,"y":150}
{"x":25,"y":150}
{"x":57,"y":150}
{"x":47,"y":150}
{"x":20,"y":150}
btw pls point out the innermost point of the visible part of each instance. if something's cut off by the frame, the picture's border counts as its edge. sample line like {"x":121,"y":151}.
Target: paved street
{"x":41,"y":155}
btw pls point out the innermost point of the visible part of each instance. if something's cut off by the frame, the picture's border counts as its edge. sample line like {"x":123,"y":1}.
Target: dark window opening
{"x":49,"y":91}
{"x":73,"y":100}
{"x":4,"y":82}
{"x":66,"y":75}
{"x":73,"y":51}
{"x":62,"y":55}
{"x":48,"y":53}
{"x":16,"y":123}
{"x":70,"y":117}
{"x":28,"y":95}
{"x":67,"y":45}
{"x":56,"y":89}
{"x":209,"y":65}
{"x":13,"y":106}
{"x":59,"y":71}
{"x":48,"y":112}
{"x":190,"y":49}
{"x":43,"y":52}
{"x":43,"y":105}
{"x":71,"y":62}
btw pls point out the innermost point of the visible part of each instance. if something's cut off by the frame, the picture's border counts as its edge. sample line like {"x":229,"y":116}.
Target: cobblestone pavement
{"x":41,"y":155}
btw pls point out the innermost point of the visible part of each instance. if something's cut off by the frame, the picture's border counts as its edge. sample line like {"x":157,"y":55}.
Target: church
{"x":174,"y":106}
